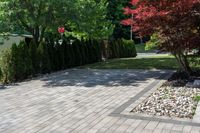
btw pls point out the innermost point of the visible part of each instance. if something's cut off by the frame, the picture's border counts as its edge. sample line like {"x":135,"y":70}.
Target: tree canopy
{"x":40,"y":16}
{"x":174,"y":21}
{"x":115,"y":15}
{"x":4,"y":25}
{"x":90,"y":17}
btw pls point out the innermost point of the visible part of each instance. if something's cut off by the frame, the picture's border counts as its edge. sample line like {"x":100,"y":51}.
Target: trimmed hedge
{"x":28,"y":60}
{"x":122,"y":49}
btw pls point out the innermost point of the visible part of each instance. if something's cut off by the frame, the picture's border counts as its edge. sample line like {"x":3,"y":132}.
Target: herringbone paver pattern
{"x":79,"y":101}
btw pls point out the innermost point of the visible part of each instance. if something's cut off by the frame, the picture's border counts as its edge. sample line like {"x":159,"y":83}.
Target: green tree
{"x":90,"y":18}
{"x":115,"y":15}
{"x":153,"y":43}
{"x":4,"y":25}
{"x":36,"y":16}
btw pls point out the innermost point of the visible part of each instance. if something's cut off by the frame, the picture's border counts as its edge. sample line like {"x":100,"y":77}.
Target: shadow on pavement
{"x":91,"y":77}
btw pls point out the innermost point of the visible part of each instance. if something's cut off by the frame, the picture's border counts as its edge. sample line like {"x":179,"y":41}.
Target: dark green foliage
{"x":76,"y":48}
{"x":72,"y":56}
{"x":82,"y":52}
{"x":98,"y":50}
{"x":14,"y":62}
{"x":43,"y":57}
{"x":23,"y":61}
{"x":61,"y":52}
{"x":86,"y":52}
{"x":66,"y":53}
{"x":90,"y":52}
{"x":115,"y":15}
{"x":51,"y":52}
{"x":34,"y":57}
{"x":57,"y":56}
{"x":122,"y":49}
{"x":1,"y":74}
{"x":6,"y":66}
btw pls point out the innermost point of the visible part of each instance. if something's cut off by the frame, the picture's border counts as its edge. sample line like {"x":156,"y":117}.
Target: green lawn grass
{"x":151,"y":62}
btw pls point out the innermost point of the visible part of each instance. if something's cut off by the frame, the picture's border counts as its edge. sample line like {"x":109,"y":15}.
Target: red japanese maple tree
{"x":175,"y":21}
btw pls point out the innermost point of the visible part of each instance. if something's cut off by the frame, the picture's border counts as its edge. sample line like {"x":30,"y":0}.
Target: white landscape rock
{"x":171,"y":102}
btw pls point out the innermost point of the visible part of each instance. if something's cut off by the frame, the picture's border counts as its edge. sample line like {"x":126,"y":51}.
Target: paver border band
{"x":117,"y":112}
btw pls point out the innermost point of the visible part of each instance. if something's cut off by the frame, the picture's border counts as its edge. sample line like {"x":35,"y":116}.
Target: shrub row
{"x":27,"y":60}
{"x":122,"y":49}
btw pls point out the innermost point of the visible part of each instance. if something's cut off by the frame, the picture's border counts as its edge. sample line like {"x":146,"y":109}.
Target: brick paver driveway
{"x":78,"y":101}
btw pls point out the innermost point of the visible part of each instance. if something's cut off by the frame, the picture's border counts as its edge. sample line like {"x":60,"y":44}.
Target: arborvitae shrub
{"x":112,"y":50}
{"x":77,"y":54}
{"x":99,"y":50}
{"x":72,"y":56}
{"x":82,"y":52}
{"x":21,"y":64}
{"x":121,"y":48}
{"x":27,"y":62}
{"x":34,"y":57}
{"x":16,"y":63}
{"x":57,"y":56}
{"x":86,"y":51}
{"x":92,"y":50}
{"x":51,"y":53}
{"x":44,"y":62}
{"x":22,"y":61}
{"x":66,"y":54}
{"x":62,"y":57}
{"x":15,"y":67}
{"x":1,"y":74}
{"x":130,"y":46}
{"x":6,"y":68}
{"x":117,"y":45}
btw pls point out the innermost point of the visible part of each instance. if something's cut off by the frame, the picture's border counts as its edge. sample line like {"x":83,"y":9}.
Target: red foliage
{"x":177,"y":21}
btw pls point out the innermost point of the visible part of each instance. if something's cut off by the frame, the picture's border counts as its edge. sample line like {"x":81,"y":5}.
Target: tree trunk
{"x":42,"y":31}
{"x":36,"y":35}
{"x":183,"y":62}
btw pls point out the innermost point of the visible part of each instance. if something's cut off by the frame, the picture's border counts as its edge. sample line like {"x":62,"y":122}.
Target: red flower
{"x":61,"y":29}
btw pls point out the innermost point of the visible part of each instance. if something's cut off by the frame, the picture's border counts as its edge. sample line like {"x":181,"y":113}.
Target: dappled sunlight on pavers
{"x":77,"y":100}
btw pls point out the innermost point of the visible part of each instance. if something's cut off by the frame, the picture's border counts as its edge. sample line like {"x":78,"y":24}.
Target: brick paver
{"x":79,"y":101}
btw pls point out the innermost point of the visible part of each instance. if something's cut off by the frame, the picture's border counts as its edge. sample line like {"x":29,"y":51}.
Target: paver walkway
{"x":79,"y":101}
{"x":146,"y":55}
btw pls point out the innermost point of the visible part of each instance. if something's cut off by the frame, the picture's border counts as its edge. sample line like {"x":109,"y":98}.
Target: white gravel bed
{"x":170,"y":101}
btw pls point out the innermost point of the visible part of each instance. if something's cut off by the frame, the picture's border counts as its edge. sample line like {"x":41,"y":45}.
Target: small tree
{"x":34,"y":16}
{"x":174,"y":21}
